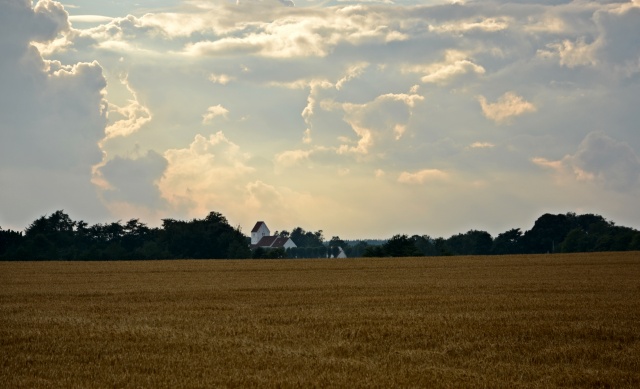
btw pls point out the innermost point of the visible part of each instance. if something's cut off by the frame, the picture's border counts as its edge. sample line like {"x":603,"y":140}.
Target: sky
{"x":363,"y":119}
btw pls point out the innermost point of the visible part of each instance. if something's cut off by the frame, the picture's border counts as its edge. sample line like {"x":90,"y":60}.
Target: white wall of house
{"x":341,"y":253}
{"x":289,"y":244}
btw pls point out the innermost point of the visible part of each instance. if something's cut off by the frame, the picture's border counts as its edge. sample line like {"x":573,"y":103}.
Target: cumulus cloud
{"x":618,"y":28}
{"x":571,"y":54}
{"x":422,"y":176}
{"x":222,"y":79}
{"x":292,"y":157}
{"x":611,"y":46}
{"x":599,"y":159}
{"x":352,"y":72}
{"x":214,"y":174}
{"x":206,"y":175}
{"x":90,"y":19}
{"x":279,"y":45}
{"x":463,"y":26}
{"x":455,"y":64}
{"x":262,"y":196}
{"x":316,"y":156}
{"x":213,"y":112}
{"x":22,"y":23}
{"x":315,"y":87}
{"x":133,"y":184}
{"x":127,"y":119}
{"x":287,"y":207}
{"x":301,"y":34}
{"x":53,"y":116}
{"x":376,"y":121}
{"x":508,"y":106}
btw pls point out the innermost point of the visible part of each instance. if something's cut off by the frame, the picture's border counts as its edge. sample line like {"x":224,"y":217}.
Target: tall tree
{"x":9,"y":242}
{"x":425,"y":244}
{"x":547,"y":233}
{"x":473,"y":242}
{"x":51,"y":237}
{"x":507,"y":242}
{"x":401,"y":246}
{"x":304,"y":238}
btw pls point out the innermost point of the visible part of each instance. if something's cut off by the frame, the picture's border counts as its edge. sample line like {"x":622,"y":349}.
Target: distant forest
{"x":58,"y":237}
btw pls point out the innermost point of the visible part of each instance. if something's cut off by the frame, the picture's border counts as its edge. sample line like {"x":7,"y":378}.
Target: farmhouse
{"x":260,"y":238}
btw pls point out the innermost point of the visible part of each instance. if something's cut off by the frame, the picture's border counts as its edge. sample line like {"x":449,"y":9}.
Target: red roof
{"x":257,"y":226}
{"x":280,"y":242}
{"x":272,"y":241}
{"x":266,"y":241}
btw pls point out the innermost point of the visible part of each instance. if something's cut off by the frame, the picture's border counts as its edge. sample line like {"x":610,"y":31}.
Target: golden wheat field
{"x":509,"y":321}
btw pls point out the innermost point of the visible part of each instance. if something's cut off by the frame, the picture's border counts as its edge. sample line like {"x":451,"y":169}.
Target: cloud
{"x":292,"y":157}
{"x":134,"y":115}
{"x":481,"y":145}
{"x":287,"y":207}
{"x":207,"y":175}
{"x":49,"y":21}
{"x":423,"y":176}
{"x":282,"y":45}
{"x":376,"y":121}
{"x":315,"y":86}
{"x":286,"y":3}
{"x":618,"y":28}
{"x":463,"y":26}
{"x":261,"y":197}
{"x":307,"y":136}
{"x":222,"y":79}
{"x":320,"y":89}
{"x":317,"y":156}
{"x":599,"y":159}
{"x":611,"y":46}
{"x":53,"y":116}
{"x":133,"y":182}
{"x":213,"y":174}
{"x":213,"y":112}
{"x":456,"y":63}
{"x":571,"y":54}
{"x":90,"y":18}
{"x":508,"y":106}
{"x":307,"y":33}
{"x":353,"y":71}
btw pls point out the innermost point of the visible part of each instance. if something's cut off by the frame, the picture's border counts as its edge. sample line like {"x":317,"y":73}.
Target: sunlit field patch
{"x":505,"y":321}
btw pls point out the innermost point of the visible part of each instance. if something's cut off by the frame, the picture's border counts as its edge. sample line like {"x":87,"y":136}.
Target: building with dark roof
{"x":260,"y":237}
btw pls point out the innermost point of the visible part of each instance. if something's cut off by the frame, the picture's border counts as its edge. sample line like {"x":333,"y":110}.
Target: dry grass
{"x":513,"y":321}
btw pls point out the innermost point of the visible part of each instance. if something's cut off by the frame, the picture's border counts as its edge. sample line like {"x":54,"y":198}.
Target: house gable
{"x":259,"y":231}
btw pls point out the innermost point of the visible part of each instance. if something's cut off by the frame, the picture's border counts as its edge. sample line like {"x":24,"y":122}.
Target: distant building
{"x":341,"y":253}
{"x":260,"y":237}
{"x":259,"y":231}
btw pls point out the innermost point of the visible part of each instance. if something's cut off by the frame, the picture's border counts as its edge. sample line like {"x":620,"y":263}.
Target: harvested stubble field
{"x":511,"y":321}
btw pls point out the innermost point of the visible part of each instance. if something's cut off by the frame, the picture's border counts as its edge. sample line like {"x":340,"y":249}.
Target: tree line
{"x":562,"y":233}
{"x":58,"y":237}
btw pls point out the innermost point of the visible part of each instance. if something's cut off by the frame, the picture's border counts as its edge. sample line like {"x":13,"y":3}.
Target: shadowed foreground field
{"x":512,"y":321}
